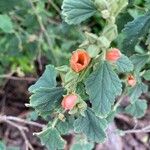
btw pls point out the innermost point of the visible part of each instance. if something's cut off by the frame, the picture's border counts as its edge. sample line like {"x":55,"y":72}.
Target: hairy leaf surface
{"x":124,"y":64}
{"x":47,"y":80}
{"x":51,"y":139}
{"x":76,"y":11}
{"x":44,"y":100}
{"x":92,"y":126}
{"x":103,"y":85}
{"x":137,"y":109}
{"x":137,"y":90}
{"x":6,"y":24}
{"x":139,"y":60}
{"x":135,"y":30}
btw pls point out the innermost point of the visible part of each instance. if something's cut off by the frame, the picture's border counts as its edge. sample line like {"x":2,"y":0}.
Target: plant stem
{"x":21,"y":129}
{"x":43,"y":29}
{"x":120,"y":100}
{"x":142,"y":130}
{"x":55,"y":6}
{"x":56,"y":119}
{"x":54,"y":122}
{"x":9,"y":77}
{"x":19,"y":120}
{"x":25,"y":121}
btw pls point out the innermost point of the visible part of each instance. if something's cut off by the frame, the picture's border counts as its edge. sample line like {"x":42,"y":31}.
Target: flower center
{"x":80,"y":60}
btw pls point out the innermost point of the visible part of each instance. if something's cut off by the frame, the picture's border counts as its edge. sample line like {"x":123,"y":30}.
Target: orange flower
{"x":113,"y":55}
{"x":80,"y":59}
{"x":131,"y":80}
{"x":69,"y":101}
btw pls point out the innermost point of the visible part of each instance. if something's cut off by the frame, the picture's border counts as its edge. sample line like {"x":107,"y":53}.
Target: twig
{"x":12,"y":118}
{"x":136,"y":124}
{"x":125,"y":118}
{"x":119,"y":100}
{"x":39,"y":51}
{"x":55,"y":6}
{"x":30,"y":79}
{"x":20,"y":45}
{"x":142,"y":130}
{"x":3,"y":104}
{"x":14,"y":124}
{"x":43,"y":29}
{"x":21,"y":129}
{"x":27,"y":143}
{"x":12,"y":121}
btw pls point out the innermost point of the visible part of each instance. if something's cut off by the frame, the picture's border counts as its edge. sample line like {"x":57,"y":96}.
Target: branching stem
{"x":43,"y":29}
{"x":14,"y":121}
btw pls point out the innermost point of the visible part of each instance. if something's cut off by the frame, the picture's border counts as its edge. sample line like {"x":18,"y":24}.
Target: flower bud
{"x":131,"y":80}
{"x":80,"y":59}
{"x":113,"y":55}
{"x":69,"y":102}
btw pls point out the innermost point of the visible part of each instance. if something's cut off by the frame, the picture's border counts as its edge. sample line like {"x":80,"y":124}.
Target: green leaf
{"x":7,"y":5}
{"x":80,"y":90}
{"x":51,"y":139}
{"x":137,"y":90}
{"x":135,"y":30}
{"x":124,"y":64}
{"x":71,"y":80}
{"x":123,"y":19}
{"x":33,"y":115}
{"x":81,"y":143}
{"x":66,"y":126}
{"x":6,"y":24}
{"x":47,"y":80}
{"x":137,"y":109}
{"x":44,"y":100}
{"x":2,"y":145}
{"x":139,"y":60}
{"x":82,"y":146}
{"x":92,"y":126}
{"x":102,"y":86}
{"x":76,"y":11}
{"x":93,"y":50}
{"x":117,"y":6}
{"x":147,"y":4}
{"x":147,"y":75}
{"x":110,"y":32}
{"x":111,"y":116}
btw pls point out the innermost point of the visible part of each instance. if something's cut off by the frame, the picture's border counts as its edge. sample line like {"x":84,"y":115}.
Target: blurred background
{"x":32,"y":35}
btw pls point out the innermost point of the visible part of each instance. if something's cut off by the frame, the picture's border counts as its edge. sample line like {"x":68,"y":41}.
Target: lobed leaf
{"x":81,"y":143}
{"x":147,"y":75}
{"x":51,"y":139}
{"x":124,"y":64}
{"x":44,"y":100}
{"x":137,"y":90}
{"x":82,"y":146}
{"x":65,"y":126}
{"x":80,"y":90}
{"x":137,"y":109}
{"x":92,"y":126}
{"x":139,"y":60}
{"x":6,"y":24}
{"x":76,"y":11}
{"x":7,"y":5}
{"x":102,"y":86}
{"x":47,"y":80}
{"x":135,"y":30}
{"x":2,"y":145}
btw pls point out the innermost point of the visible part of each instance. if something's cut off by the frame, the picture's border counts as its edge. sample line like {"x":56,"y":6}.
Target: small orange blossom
{"x":80,"y":59}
